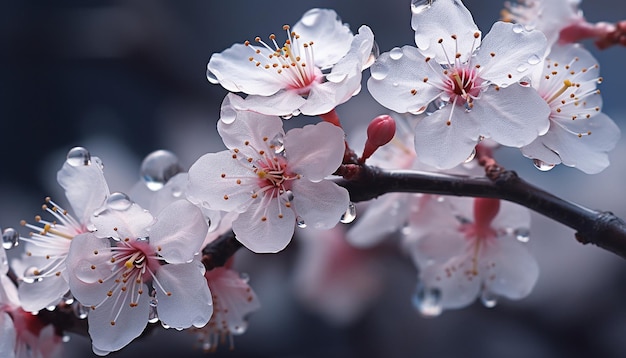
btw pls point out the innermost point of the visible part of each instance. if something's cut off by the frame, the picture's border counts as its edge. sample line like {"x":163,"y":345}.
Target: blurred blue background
{"x":124,"y":78}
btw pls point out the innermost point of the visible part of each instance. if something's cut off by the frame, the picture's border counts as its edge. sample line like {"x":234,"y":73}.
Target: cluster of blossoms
{"x":125,"y":261}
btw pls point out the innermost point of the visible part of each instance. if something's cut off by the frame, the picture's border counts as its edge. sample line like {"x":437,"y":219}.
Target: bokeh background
{"x":124,"y":78}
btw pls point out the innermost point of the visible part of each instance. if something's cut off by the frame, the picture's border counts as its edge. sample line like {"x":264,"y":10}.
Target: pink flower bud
{"x":380,"y":132}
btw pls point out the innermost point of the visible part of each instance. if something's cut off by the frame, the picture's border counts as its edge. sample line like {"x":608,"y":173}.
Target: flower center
{"x":272,"y":174}
{"x":463,"y":84}
{"x":292,"y":63}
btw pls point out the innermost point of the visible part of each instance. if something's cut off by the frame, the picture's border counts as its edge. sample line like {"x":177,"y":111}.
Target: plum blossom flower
{"x":463,"y":253}
{"x":272,"y":179}
{"x":317,"y":68}
{"x":233,"y":301}
{"x":473,"y":83}
{"x":134,"y":262}
{"x":45,"y":279}
{"x":580,"y":135}
{"x":22,"y":334}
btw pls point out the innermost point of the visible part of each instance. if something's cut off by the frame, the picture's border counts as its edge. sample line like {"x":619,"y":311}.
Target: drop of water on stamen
{"x":396,"y":53}
{"x":211,"y":77}
{"x":418,"y":6}
{"x":379,"y":70}
{"x":80,"y":311}
{"x":518,"y":28}
{"x":300,"y":222}
{"x":349,"y":215}
{"x":471,"y":156}
{"x":119,"y":201}
{"x":522,"y":234}
{"x":543,"y":166}
{"x":10,"y":238}
{"x":31,"y":275}
{"x":158,"y":168}
{"x":288,"y":196}
{"x":534,"y":59}
{"x":488,"y":299}
{"x":374,"y":53}
{"x":78,"y":156}
{"x":427,"y":301}
{"x":240,"y":329}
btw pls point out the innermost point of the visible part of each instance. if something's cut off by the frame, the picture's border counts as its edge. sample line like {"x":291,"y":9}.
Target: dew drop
{"x":534,"y":59}
{"x":300,"y":222}
{"x":518,"y":28}
{"x":379,"y":70}
{"x":119,"y":201}
{"x":522,"y":234}
{"x":471,"y":156}
{"x":416,"y":110}
{"x":287,"y":116}
{"x":228,"y":114}
{"x":51,"y":308}
{"x":427,"y":301}
{"x":10,"y":238}
{"x":211,"y":77}
{"x":543,"y":166}
{"x":336,"y":77}
{"x":165,"y":325}
{"x":374,"y":53}
{"x":31,"y":275}
{"x":78,"y":156}
{"x":310,"y":18}
{"x":278,"y":143}
{"x":287,"y":196}
{"x":158,"y":168}
{"x":488,"y":299}
{"x":418,"y":6}
{"x":240,"y":328}
{"x":153,"y":317}
{"x":396,"y":53}
{"x":80,"y":311}
{"x":68,"y":299}
{"x":522,"y":68}
{"x":349,"y":215}
{"x":65,"y":339}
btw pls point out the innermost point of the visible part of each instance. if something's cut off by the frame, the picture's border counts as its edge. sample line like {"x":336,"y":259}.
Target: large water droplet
{"x":287,"y":116}
{"x":379,"y":70}
{"x":522,"y":234}
{"x":300,"y":222}
{"x":68,"y":299}
{"x":31,"y":275}
{"x":78,"y":156}
{"x":396,"y":53}
{"x":518,"y":28}
{"x":211,"y":77}
{"x":418,"y":6}
{"x":534,"y":59}
{"x":374,"y":53}
{"x":158,"y":167}
{"x":522,"y":68}
{"x":336,"y":77}
{"x":427,"y":300}
{"x":228,"y":114}
{"x":471,"y":156}
{"x":488,"y":299}
{"x":349,"y":215}
{"x":543,"y":166}
{"x":153,"y":316}
{"x":310,"y":18}
{"x":10,"y":238}
{"x":287,"y":196}
{"x":119,"y":201}
{"x":80,"y":311}
{"x":51,"y":308}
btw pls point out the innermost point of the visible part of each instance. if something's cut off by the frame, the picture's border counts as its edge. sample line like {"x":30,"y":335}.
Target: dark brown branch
{"x":599,"y":228}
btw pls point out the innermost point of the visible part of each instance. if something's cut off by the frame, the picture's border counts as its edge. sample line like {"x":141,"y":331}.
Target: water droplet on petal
{"x":373,"y":56}
{"x":287,"y":196}
{"x":119,"y":201}
{"x":488,"y":299}
{"x":51,"y":308}
{"x":10,"y":238}
{"x":418,"y":6}
{"x":335,"y":77}
{"x":300,"y":222}
{"x":543,"y":166}
{"x":471,"y":156}
{"x":153,"y":317}
{"x":68,"y":299}
{"x":158,"y":167}
{"x":80,"y":311}
{"x":416,"y":110}
{"x":287,"y":116}
{"x":240,"y":328}
{"x":278,"y":143}
{"x":228,"y":114}
{"x":427,"y":301}
{"x":165,"y":325}
{"x":65,"y":339}
{"x":522,"y":68}
{"x":379,"y":70}
{"x":396,"y":53}
{"x":518,"y":28}
{"x":349,"y":215}
{"x":78,"y":156}
{"x":522,"y":234}
{"x":534,"y":59}
{"x":310,"y":18}
{"x":31,"y":275}
{"x":211,"y":77}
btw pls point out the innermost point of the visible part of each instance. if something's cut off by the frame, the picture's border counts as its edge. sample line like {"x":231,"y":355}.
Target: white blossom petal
{"x":269,"y":235}
{"x":85,"y":188}
{"x":315,"y":151}
{"x":129,"y":223}
{"x":190,"y":301}
{"x":517,"y":270}
{"x":179,"y":232}
{"x":8,"y":336}
{"x":324,"y":97}
{"x":384,"y":216}
{"x":320,"y":204}
{"x":40,"y":294}
{"x":281,"y":103}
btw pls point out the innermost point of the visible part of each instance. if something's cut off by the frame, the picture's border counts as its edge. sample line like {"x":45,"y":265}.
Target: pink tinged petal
{"x":212,"y":182}
{"x":438,"y":245}
{"x":233,"y":69}
{"x":383,"y":216}
{"x":398,"y":80}
{"x":357,"y":59}
{"x":445,"y":146}
{"x":89,"y":263}
{"x":129,"y":223}
{"x":41,"y":294}
{"x":516,"y":270}
{"x":7,"y":336}
{"x":190,"y":301}
{"x":320,"y":204}
{"x":85,"y":188}
{"x":457,"y":289}
{"x":129,"y":321}
{"x":234,"y":298}
{"x":441,"y":20}
{"x":269,"y":235}
{"x":509,"y":52}
{"x":281,"y":103}
{"x":314,"y":151}
{"x":324,"y":97}
{"x":331,"y":37}
{"x":513,"y":116}
{"x":179,"y":232}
